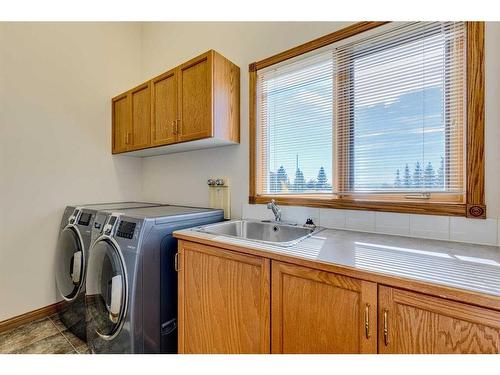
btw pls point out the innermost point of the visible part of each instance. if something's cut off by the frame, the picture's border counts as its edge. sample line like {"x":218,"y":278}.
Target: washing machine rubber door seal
{"x":106,"y":288}
{"x":70,"y":263}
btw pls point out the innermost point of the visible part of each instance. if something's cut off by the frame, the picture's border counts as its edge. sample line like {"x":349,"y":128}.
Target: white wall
{"x":56,"y":81}
{"x":181,"y":177}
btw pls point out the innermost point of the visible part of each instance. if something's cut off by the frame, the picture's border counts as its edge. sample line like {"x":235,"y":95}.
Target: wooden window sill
{"x":410,"y":206}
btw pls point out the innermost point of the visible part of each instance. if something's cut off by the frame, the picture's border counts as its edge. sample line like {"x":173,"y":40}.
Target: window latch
{"x":418,"y":196}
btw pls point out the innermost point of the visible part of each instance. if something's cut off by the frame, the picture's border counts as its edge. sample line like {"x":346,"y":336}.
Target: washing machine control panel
{"x":74,"y":216}
{"x":126,"y":229}
{"x":99,"y":221}
{"x":108,"y":228}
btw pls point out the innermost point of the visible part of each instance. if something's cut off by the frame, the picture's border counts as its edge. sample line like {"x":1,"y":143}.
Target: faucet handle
{"x":309,"y":223}
{"x":271,"y":204}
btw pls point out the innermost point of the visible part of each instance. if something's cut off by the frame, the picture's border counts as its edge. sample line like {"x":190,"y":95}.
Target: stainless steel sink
{"x":273,"y":233}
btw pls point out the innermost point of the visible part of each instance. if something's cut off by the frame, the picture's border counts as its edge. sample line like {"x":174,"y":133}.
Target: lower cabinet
{"x":414,"y":323}
{"x":321,"y":312}
{"x":231,"y":302}
{"x":224,"y":301}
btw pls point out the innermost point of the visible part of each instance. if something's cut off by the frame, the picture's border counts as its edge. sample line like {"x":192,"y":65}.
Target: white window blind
{"x":384,"y":113}
{"x":295,"y":115}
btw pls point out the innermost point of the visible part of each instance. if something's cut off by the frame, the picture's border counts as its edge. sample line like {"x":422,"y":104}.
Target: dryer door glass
{"x":70,"y":263}
{"x":106,"y":289}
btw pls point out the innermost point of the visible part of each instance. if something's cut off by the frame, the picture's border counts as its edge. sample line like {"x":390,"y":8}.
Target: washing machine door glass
{"x":106,"y":289}
{"x":70,"y":263}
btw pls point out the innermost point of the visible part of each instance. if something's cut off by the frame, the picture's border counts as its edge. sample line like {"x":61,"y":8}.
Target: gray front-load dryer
{"x":71,"y":259}
{"x":131,"y":286}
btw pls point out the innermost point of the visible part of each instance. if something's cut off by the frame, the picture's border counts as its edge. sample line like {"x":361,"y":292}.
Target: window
{"x":296,"y":115}
{"x":377,"y":119}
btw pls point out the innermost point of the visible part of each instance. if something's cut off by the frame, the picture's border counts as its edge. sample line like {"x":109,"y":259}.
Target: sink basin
{"x":260,"y":231}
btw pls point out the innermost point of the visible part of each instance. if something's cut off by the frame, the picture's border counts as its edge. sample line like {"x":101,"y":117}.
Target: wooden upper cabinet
{"x":198,"y":100}
{"x":226,"y":98}
{"x":414,"y":323}
{"x":320,"y":312}
{"x":195,"y":98}
{"x":224,"y":302}
{"x":122,"y":123}
{"x":164,"y":118}
{"x":141,"y":116}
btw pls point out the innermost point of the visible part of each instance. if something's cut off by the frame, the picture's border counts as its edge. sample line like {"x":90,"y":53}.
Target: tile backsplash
{"x":458,"y":229}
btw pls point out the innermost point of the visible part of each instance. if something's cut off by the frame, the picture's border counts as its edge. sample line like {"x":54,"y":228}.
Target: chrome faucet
{"x":276,"y":210}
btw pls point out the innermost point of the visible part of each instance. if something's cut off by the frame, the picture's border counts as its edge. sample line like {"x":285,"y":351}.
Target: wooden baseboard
{"x":16,"y":321}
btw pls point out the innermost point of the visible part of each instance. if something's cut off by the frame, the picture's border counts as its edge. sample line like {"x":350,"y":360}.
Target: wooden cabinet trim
{"x":140,"y":87}
{"x":325,"y":277}
{"x":464,"y":311}
{"x":118,"y":97}
{"x":197,"y":59}
{"x":215,"y":251}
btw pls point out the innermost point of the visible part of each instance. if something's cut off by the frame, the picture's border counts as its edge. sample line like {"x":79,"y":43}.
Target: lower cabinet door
{"x":224,"y":302}
{"x":411,"y":322}
{"x":321,"y":312}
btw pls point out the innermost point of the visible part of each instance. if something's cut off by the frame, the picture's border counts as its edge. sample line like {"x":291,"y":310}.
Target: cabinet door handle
{"x":367,"y":320}
{"x":176,"y":262}
{"x":177,"y":126}
{"x":174,"y":127}
{"x":386,"y":329}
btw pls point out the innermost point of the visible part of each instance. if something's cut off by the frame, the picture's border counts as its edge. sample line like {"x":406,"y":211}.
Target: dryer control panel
{"x":85,"y":219}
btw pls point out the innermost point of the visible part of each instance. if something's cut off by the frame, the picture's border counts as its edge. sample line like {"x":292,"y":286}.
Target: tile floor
{"x":44,"y":336}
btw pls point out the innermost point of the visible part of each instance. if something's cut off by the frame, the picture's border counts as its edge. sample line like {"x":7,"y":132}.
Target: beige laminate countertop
{"x":460,"y":266}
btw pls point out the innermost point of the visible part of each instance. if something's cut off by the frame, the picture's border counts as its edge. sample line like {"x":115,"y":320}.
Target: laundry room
{"x":226,"y":183}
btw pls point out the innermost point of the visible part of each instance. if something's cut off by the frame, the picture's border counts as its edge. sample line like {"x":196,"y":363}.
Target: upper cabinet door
{"x":141,"y":116}
{"x":164,"y":109}
{"x":195,"y":98}
{"x":321,"y":312}
{"x":414,"y":323}
{"x":122,"y":124}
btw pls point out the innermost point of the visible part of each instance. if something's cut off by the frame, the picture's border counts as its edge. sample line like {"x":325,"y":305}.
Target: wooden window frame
{"x":474,"y":204}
